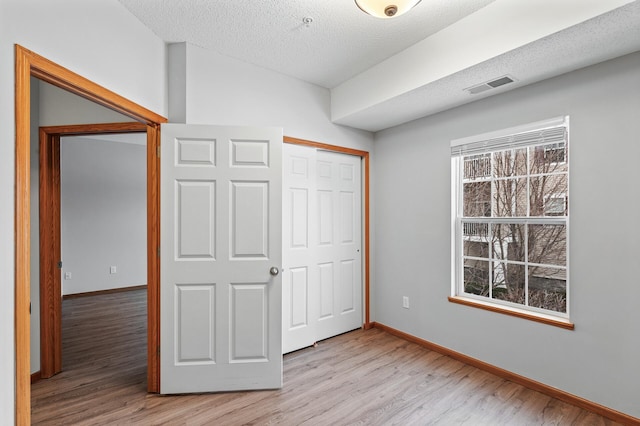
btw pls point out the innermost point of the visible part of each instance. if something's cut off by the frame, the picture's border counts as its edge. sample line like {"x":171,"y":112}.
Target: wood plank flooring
{"x":362,"y":377}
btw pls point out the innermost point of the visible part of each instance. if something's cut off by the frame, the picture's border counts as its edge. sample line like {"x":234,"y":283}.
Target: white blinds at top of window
{"x":539,"y":133}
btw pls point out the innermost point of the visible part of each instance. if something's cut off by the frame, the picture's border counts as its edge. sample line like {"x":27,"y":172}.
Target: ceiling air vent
{"x":497,"y":82}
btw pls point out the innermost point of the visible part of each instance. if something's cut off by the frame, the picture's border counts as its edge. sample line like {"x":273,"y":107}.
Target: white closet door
{"x":339,"y":229}
{"x":299,"y":282}
{"x":322,"y":236}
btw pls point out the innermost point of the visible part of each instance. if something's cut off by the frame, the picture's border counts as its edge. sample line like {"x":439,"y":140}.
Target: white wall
{"x":208,"y":88}
{"x":103,"y":214}
{"x":99,"y":40}
{"x":599,"y":359}
{"x":59,"y":107}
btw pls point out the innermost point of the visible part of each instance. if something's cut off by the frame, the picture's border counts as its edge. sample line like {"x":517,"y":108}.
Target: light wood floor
{"x":362,"y":377}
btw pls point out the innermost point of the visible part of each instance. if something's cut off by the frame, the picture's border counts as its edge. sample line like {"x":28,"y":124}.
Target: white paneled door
{"x":221,"y":293}
{"x":322,"y":236}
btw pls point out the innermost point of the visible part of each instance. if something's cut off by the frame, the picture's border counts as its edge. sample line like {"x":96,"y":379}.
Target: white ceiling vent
{"x":496,"y":82}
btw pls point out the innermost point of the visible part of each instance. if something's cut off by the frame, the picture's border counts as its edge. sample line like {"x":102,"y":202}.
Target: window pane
{"x":548,"y":158}
{"x":475,"y":231}
{"x":509,"y":163}
{"x":544,"y":194}
{"x":555,"y":205}
{"x":476,"y":277}
{"x":477,"y":247}
{"x":510,"y":197}
{"x":548,"y":288}
{"x":548,"y":244}
{"x":507,"y":241}
{"x":477,"y":199}
{"x":477,"y":166}
{"x":508,"y":282}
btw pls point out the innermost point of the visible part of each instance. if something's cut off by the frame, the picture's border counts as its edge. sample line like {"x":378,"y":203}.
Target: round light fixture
{"x":386,"y":8}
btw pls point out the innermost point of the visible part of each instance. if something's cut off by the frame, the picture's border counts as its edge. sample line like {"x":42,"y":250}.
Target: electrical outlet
{"x":67,"y":275}
{"x":113,"y":270}
{"x":405,"y":302}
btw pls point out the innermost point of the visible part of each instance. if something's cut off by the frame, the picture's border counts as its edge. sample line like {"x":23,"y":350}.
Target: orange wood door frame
{"x":50,"y":287}
{"x":365,"y":158}
{"x":29,"y":64}
{"x":50,"y":238}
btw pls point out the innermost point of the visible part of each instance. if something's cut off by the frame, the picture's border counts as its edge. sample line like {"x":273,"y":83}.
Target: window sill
{"x":520,"y":313}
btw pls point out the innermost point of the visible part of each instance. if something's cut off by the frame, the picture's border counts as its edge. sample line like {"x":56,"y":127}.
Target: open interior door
{"x":220,"y":286}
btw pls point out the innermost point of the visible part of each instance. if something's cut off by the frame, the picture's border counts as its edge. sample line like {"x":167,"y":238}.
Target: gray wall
{"x":35,"y":231}
{"x":103,"y":214}
{"x":599,"y":359}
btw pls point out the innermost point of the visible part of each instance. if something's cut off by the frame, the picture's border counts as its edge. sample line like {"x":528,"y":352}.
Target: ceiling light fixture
{"x":386,"y":8}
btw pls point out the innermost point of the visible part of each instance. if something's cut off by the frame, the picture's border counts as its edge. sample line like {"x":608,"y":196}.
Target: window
{"x":510,"y":225}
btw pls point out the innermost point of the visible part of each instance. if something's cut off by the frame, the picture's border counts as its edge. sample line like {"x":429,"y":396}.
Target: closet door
{"x":322,"y":238}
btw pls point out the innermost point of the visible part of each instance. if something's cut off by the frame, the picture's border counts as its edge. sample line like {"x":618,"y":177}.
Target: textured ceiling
{"x":341,"y":42}
{"x":434,"y":52}
{"x":607,"y":36}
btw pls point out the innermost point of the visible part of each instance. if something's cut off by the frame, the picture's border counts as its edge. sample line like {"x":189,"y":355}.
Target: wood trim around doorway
{"x":365,"y":158}
{"x":29,"y":64}
{"x":50,"y":237}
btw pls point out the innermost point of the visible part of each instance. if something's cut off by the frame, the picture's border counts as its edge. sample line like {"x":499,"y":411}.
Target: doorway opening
{"x":29,"y":64}
{"x":51,"y":235}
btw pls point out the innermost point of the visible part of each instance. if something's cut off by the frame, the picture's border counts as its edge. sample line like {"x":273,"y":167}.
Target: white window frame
{"x":498,"y":141}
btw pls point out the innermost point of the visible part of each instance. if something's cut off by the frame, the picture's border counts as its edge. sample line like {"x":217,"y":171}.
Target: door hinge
{"x":158,"y":151}
{"x":158,"y":251}
{"x":158,"y":350}
{"x":60,"y":264}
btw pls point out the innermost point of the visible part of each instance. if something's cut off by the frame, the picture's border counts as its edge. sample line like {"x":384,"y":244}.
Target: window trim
{"x":495,"y":141}
{"x":514,"y":312}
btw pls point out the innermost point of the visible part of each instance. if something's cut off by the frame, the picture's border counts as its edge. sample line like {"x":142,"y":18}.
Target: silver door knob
{"x":274,"y":271}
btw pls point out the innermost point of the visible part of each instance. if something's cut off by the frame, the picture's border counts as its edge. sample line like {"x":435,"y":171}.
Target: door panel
{"x":347,"y":286}
{"x":249,"y":219}
{"x":326,"y":290}
{"x":249,"y":333}
{"x":299,"y":290}
{"x":299,"y":238}
{"x":221,"y":233}
{"x":322,"y":234}
{"x":196,"y":234}
{"x":339,"y":183}
{"x":325,"y":219}
{"x":195,"y":307}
